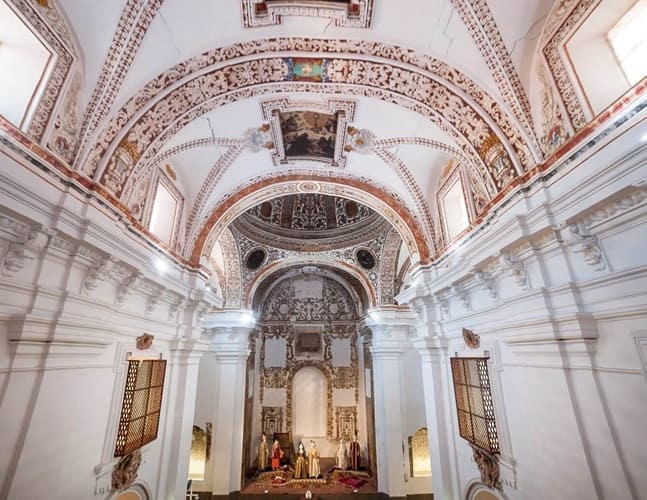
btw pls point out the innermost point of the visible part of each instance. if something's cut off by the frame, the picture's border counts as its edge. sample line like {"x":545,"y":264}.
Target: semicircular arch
{"x":354,"y":188}
{"x":334,"y":270}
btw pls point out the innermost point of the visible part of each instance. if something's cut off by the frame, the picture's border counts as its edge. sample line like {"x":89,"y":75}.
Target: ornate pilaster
{"x":390,"y":329}
{"x":229,"y":331}
{"x":432,"y":346}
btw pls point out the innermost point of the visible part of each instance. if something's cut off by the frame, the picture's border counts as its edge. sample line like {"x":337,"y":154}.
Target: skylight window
{"x":629,"y":43}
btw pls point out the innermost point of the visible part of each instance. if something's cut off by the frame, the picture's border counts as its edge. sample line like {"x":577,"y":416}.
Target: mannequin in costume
{"x":313,"y":464}
{"x":301,"y":466}
{"x":354,"y":453}
{"x":263,"y":453}
{"x":277,"y":454}
{"x":341,"y":455}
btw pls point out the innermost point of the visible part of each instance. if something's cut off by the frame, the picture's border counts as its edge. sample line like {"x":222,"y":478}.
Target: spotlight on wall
{"x":161,"y":265}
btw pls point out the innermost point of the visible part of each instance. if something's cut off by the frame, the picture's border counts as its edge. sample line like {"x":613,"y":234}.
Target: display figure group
{"x":341,"y":455}
{"x":277,"y":454}
{"x":263,"y":453}
{"x":301,"y":465}
{"x":313,"y":464}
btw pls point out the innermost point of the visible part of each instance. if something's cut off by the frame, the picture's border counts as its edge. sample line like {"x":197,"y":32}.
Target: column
{"x":390,"y":332}
{"x":432,"y":346}
{"x":230,"y":344}
{"x":184,"y":363}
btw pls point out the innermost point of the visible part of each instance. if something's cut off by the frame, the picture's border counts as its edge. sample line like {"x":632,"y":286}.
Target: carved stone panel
{"x":272,"y":419}
{"x":346,"y":418}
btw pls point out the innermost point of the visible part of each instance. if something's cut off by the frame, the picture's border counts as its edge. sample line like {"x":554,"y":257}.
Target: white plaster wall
{"x":63,"y":346}
{"x":565,"y":366}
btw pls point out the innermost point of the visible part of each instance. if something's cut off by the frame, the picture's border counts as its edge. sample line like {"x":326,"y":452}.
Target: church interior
{"x":323,"y":248}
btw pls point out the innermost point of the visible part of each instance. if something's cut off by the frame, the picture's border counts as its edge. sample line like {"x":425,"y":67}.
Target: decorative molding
{"x":125,"y":472}
{"x":478,"y":19}
{"x":511,"y":263}
{"x":631,"y":199}
{"x":341,"y":71}
{"x":588,"y":245}
{"x":144,"y":342}
{"x":128,"y":286}
{"x":132,"y":27}
{"x":471,"y":339}
{"x":462,"y":294}
{"x":486,"y":280}
{"x":488,"y":466}
{"x":351,"y":14}
{"x":271,"y":420}
{"x":31,"y":246}
{"x":346,"y":419}
{"x":563,"y":19}
{"x":50,"y":25}
{"x":343,"y":110}
{"x":98,"y":273}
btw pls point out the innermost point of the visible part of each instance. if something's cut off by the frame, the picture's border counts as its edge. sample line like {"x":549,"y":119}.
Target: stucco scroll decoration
{"x":472,"y":340}
{"x":488,"y":465}
{"x":351,"y":14}
{"x":144,"y":342}
{"x":588,"y":245}
{"x":32,"y":243}
{"x":98,"y":273}
{"x":125,"y":472}
{"x":151,"y":92}
{"x":511,"y":263}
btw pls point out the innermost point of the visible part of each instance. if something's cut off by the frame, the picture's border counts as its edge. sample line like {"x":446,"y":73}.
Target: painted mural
{"x":309,"y":134}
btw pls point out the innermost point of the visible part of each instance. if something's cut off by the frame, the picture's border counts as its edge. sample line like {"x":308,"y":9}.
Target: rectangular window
{"x":474,"y":405}
{"x":629,"y":43}
{"x":167,"y":207}
{"x":455,"y":210}
{"x":142,"y":402}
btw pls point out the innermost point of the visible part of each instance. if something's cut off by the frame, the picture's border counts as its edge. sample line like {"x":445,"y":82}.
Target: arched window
{"x":198,"y":458}
{"x":419,"y":454}
{"x":309,"y":393}
{"x":26,"y":59}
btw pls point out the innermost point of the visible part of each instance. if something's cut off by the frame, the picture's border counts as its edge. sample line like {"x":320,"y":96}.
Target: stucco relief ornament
{"x":472,"y":340}
{"x":144,"y":342}
{"x":125,"y":472}
{"x":488,"y":466}
{"x":361,"y":141}
{"x":257,"y":139}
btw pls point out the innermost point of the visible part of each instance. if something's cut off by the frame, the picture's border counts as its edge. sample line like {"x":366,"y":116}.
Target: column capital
{"x":229,"y":330}
{"x":390,"y":329}
{"x":431,"y":348}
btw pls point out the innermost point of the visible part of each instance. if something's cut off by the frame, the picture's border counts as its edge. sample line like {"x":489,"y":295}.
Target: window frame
{"x":124,"y":427}
{"x":162,"y":178}
{"x":486,"y":402}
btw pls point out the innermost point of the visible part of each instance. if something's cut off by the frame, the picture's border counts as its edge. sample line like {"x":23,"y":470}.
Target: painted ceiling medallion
{"x":309,"y":130}
{"x":345,"y":13}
